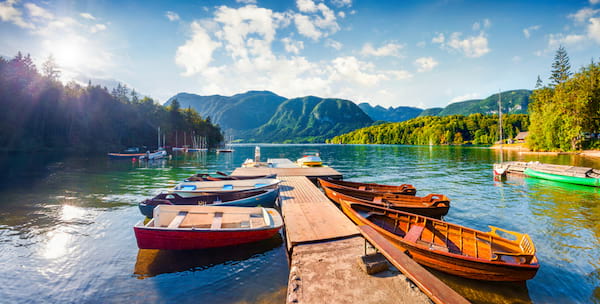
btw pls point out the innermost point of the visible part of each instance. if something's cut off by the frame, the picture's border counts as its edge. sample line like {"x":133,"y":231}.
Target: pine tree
{"x":561,"y":68}
{"x":538,"y":83}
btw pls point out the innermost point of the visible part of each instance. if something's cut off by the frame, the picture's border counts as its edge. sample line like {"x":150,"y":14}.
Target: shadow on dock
{"x":153,"y":262}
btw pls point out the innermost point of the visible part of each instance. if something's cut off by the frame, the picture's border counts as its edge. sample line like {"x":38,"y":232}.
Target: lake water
{"x":66,"y":225}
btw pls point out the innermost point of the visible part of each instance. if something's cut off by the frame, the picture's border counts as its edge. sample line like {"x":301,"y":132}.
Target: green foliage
{"x":476,"y":128}
{"x":561,"y":114}
{"x":41,"y":113}
{"x":513,"y":102}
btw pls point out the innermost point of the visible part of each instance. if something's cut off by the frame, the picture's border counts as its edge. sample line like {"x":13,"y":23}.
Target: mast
{"x":158,"y":138}
{"x":500,"y":121}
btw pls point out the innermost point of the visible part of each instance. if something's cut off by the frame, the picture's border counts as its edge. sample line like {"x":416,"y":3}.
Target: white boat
{"x":310,"y":159}
{"x":190,"y":189}
{"x":154,"y":155}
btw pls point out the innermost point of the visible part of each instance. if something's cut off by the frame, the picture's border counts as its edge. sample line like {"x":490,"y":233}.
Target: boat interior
{"x":212,"y":218}
{"x":445,"y":237}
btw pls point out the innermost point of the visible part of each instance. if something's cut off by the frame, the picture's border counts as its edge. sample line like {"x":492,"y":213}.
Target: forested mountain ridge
{"x":239,"y":112}
{"x":311,"y":119}
{"x":390,"y":114}
{"x":513,"y":102}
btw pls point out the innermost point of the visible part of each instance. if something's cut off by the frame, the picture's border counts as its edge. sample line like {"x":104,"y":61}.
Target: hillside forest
{"x":40,"y":113}
{"x":475,"y":129}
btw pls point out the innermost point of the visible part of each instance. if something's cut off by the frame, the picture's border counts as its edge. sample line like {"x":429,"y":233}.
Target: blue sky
{"x":389,"y":53}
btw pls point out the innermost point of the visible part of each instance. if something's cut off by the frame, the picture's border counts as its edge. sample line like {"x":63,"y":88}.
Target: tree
{"x":561,"y":68}
{"x":539,"y":84}
{"x":50,"y":69}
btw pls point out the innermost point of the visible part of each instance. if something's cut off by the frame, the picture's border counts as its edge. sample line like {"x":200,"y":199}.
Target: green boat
{"x":578,"y":180}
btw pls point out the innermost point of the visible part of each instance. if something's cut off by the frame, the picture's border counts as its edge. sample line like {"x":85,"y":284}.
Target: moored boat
{"x":310,"y":159}
{"x":188,"y":189}
{"x":589,"y":178}
{"x":222,"y":176}
{"x":405,"y":189}
{"x":432,"y":205}
{"x":451,"y":248}
{"x":199,"y":227}
{"x":129,"y":153}
{"x":263,"y":198}
{"x":154,"y":155}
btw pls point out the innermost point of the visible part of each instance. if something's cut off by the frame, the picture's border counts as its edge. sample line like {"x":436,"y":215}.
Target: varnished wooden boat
{"x":451,"y":248}
{"x":222,"y":176}
{"x":405,"y":189}
{"x":199,"y":227}
{"x":432,"y":205}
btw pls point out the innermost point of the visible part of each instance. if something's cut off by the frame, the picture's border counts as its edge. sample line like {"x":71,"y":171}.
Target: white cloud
{"x":87,"y":16}
{"x":584,"y":14}
{"x":318,"y":20}
{"x":556,"y":40}
{"x":425,"y":64}
{"x":38,"y":12}
{"x":594,"y":29}
{"x":172,"y":16}
{"x":400,"y":74}
{"x":356,"y":71}
{"x":390,"y":49}
{"x":438,"y":39}
{"x":9,"y":13}
{"x":341,"y":14}
{"x":97,"y":28}
{"x":465,"y":97}
{"x":333,"y":44}
{"x":527,"y":31}
{"x":342,"y":3}
{"x":421,"y":44}
{"x":472,"y":46}
{"x":306,"y":27}
{"x":292,"y":46}
{"x":196,"y":53}
{"x":485,"y":24}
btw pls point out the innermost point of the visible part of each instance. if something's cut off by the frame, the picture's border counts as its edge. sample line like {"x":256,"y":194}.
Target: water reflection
{"x":152,"y":262}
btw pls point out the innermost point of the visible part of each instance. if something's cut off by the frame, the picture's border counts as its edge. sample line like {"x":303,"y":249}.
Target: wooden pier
{"x":324,"y":247}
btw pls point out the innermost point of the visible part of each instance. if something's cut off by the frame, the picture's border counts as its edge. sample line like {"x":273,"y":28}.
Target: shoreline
{"x":524,"y":150}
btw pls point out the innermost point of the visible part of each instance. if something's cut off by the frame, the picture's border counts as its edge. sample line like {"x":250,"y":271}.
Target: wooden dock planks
{"x":309,"y":215}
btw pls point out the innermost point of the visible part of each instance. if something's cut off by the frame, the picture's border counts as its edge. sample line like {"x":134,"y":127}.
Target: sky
{"x":390,"y":53}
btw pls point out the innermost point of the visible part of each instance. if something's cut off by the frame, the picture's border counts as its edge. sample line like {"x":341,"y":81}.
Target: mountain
{"x":390,"y":114}
{"x":238,"y":112}
{"x":312,"y":119}
{"x":262,"y":116}
{"x":513,"y":102}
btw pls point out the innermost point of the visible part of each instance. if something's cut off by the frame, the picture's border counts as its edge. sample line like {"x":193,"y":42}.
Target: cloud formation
{"x":527,"y":31}
{"x":471,"y":46}
{"x":390,"y":49}
{"x":425,"y":64}
{"x":172,"y":16}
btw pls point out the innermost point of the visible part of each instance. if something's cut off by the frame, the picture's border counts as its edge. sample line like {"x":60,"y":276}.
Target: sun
{"x":69,"y":52}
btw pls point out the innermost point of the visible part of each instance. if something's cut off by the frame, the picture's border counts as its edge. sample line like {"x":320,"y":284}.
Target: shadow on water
{"x":151,"y":262}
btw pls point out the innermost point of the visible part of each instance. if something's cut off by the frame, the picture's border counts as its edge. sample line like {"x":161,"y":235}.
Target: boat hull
{"x":585,"y":181}
{"x":404,"y":189}
{"x":266,"y":199}
{"x":452,"y":263}
{"x":195,"y":239}
{"x":435,"y":211}
{"x":125,"y":155}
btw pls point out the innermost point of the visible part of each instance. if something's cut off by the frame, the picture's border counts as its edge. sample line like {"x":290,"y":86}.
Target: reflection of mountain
{"x":152,"y":262}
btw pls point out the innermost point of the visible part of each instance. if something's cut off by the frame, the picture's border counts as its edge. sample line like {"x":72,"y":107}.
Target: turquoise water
{"x":66,"y":225}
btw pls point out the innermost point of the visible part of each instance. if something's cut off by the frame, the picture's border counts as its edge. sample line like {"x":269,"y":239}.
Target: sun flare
{"x":69,"y":52}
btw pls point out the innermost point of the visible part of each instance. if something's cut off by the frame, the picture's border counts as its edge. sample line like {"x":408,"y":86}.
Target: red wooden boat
{"x":432,"y":205}
{"x":451,"y":248}
{"x":197,"y":227}
{"x":405,"y":189}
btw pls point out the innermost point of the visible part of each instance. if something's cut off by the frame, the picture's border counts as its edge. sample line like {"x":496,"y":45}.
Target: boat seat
{"x":228,"y":187}
{"x":187,"y":187}
{"x":377,"y":199}
{"x":432,"y":246}
{"x":362,"y":188}
{"x":217,"y":221}
{"x":414,"y":233}
{"x":177,"y":219}
{"x":197,"y":220}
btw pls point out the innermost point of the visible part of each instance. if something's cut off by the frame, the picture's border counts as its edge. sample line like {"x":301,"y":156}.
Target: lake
{"x":66,"y":225}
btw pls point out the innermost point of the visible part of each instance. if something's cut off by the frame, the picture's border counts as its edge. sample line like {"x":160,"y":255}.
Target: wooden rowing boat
{"x":198,"y":227}
{"x":451,"y":248}
{"x":222,"y":176}
{"x":585,"y":176}
{"x":405,"y":189}
{"x":245,"y":198}
{"x":432,"y":205}
{"x":189,"y":189}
